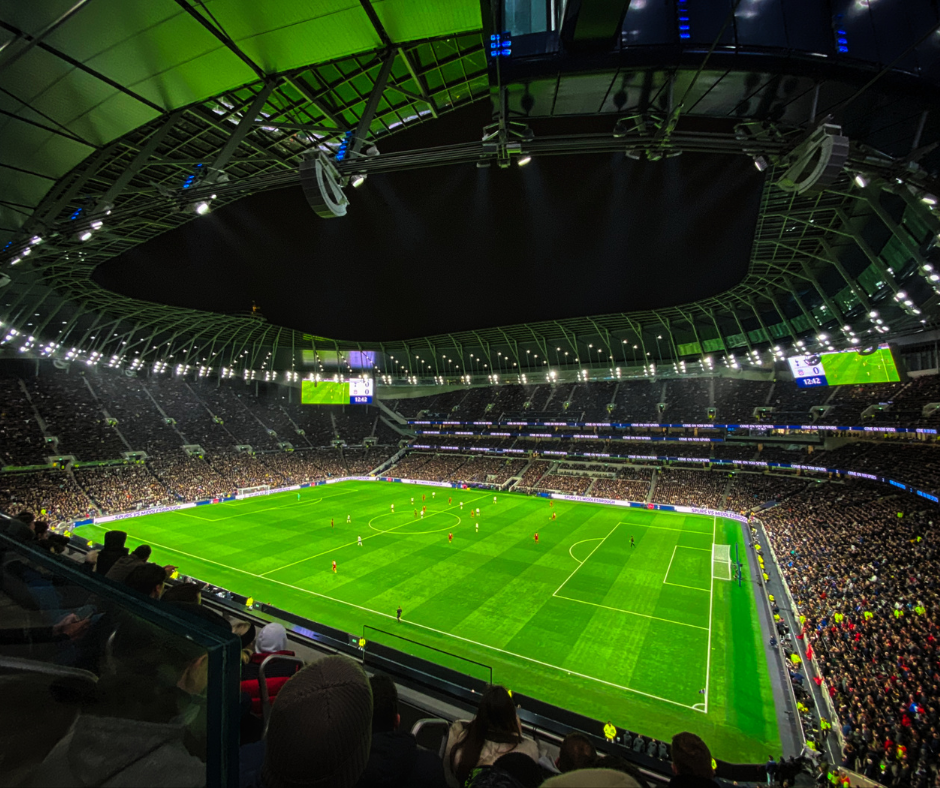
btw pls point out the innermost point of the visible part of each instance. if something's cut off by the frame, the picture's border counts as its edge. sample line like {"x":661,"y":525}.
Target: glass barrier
{"x":105,"y":685}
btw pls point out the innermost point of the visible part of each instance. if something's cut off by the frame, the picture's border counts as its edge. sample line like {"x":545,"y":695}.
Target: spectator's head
{"x":184,"y":592}
{"x":271,"y":638}
{"x":576,"y":752}
{"x":148,"y":667}
{"x":114,"y":540}
{"x":147,"y":579}
{"x":526,"y":772}
{"x":496,"y":721}
{"x":142,"y":552}
{"x":41,"y":528}
{"x":385,"y":716}
{"x":691,"y":756}
{"x":320,"y":731}
{"x":26,"y":518}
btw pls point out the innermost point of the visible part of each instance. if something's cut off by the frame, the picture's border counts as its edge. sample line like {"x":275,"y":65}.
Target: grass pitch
{"x":846,"y":368}
{"x":641,"y":635}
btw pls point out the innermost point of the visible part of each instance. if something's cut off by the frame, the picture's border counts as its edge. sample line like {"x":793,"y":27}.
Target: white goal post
{"x":249,"y":490}
{"x":721,"y":561}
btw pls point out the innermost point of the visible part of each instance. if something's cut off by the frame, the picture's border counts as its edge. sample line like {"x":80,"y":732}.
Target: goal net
{"x":249,"y":490}
{"x":721,"y":561}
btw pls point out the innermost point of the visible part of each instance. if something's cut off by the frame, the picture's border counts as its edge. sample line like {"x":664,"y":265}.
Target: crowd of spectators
{"x":572,"y":485}
{"x":74,"y":416}
{"x":863,"y":569}
{"x":687,"y":401}
{"x":121,"y":488}
{"x":736,"y":399}
{"x":621,"y":489}
{"x":21,"y":439}
{"x":127,"y":401}
{"x":52,"y":494}
{"x":533,"y":473}
{"x":690,"y":488}
{"x":189,"y":478}
{"x":750,"y":490}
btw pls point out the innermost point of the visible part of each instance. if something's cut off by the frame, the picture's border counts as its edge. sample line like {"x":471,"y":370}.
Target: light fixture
{"x":860,"y":180}
{"x":761,"y":163}
{"x":85,"y":235}
{"x":524,"y":160}
{"x":201,"y":208}
{"x":358,"y":180}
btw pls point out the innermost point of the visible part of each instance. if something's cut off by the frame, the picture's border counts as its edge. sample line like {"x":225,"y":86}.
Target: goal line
{"x":721,"y":561}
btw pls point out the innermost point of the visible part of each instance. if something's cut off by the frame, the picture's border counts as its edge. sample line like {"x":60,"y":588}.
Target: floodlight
{"x":358,"y":180}
{"x":861,"y":181}
{"x":201,"y":208}
{"x":761,"y":163}
{"x":85,"y":235}
{"x":524,"y":160}
{"x":929,"y":199}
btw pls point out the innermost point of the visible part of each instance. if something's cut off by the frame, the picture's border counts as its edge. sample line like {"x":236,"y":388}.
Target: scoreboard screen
{"x":351,"y":391}
{"x":844,"y":368}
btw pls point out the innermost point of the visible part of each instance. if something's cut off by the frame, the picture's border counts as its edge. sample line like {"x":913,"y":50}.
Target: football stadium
{"x":470,"y":393}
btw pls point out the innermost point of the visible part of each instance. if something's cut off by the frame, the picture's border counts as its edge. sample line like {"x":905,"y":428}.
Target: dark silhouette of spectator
{"x":126,"y":564}
{"x":396,"y":761}
{"x":576,"y":752}
{"x":494,"y":731}
{"x":512,"y":770}
{"x":129,"y":734}
{"x":601,"y":772}
{"x":147,"y":579}
{"x":113,"y":550}
{"x":691,"y":762}
{"x":190,"y":593}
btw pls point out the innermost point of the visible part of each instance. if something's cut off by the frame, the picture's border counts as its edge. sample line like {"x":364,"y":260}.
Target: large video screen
{"x":354,"y":391}
{"x":844,"y":367}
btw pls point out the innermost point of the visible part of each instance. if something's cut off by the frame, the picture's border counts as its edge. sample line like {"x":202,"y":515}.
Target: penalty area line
{"x":427,"y":628}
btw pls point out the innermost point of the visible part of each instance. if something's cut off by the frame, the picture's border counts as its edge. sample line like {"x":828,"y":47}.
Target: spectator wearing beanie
{"x":396,"y":761}
{"x":691,"y":763}
{"x":494,"y":731}
{"x":271,"y":640}
{"x":113,"y":550}
{"x":576,"y":752}
{"x":320,"y":731}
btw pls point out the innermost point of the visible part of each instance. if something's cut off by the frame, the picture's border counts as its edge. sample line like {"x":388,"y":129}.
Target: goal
{"x":721,"y":561}
{"x":249,"y":490}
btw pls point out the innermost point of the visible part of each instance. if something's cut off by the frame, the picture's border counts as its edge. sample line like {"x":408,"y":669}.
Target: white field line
{"x":663,"y":528}
{"x":711,"y":605}
{"x":631,"y":613}
{"x":555,"y":592}
{"x":680,"y":585}
{"x":354,"y":544}
{"x":581,"y":542}
{"x":422,"y":626}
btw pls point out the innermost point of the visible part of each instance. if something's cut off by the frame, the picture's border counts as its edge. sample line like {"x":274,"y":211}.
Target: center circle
{"x":401,"y":520}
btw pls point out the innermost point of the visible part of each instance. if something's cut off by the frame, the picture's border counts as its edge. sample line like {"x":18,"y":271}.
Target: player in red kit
{"x":331,"y":522}
{"x":536,"y":537}
{"x":553,"y":515}
{"x":450,"y":537}
{"x":449,"y":501}
{"x":334,"y":566}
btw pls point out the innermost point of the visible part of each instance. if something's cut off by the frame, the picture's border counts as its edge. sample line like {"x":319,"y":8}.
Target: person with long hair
{"x":494,"y":731}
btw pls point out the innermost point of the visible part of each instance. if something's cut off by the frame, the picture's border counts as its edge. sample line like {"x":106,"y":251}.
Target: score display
{"x":844,"y":368}
{"x":352,"y":391}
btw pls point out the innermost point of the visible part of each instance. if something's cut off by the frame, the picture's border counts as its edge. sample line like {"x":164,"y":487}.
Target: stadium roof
{"x":120,"y":120}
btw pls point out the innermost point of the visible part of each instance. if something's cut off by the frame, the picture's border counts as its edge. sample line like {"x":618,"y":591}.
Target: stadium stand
{"x":21,"y":438}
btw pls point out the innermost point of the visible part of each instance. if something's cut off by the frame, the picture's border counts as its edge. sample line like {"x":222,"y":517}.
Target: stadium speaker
{"x":815,"y":163}
{"x":323,"y":187}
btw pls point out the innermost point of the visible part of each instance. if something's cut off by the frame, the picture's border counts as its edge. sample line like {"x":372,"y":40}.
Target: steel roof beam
{"x":368,"y":114}
{"x":222,"y":36}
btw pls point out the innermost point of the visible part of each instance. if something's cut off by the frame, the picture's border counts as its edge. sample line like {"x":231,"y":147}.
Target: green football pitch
{"x":641,"y":635}
{"x":846,"y":368}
